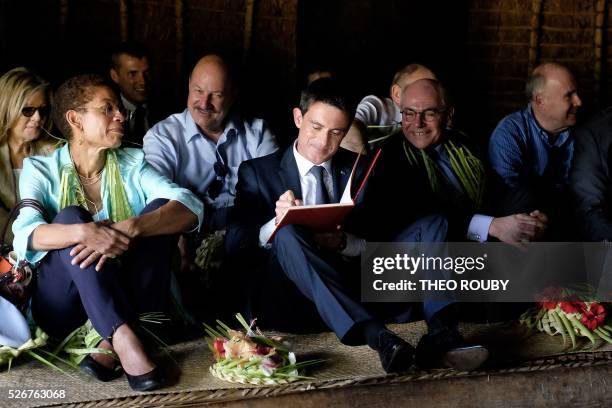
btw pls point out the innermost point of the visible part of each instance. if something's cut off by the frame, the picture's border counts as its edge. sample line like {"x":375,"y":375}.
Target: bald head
{"x":210,"y":95}
{"x":541,"y":74}
{"x":552,"y":91}
{"x":426,"y":86}
{"x":425,"y":112}
{"x":210,"y":63}
{"x":407,"y":75}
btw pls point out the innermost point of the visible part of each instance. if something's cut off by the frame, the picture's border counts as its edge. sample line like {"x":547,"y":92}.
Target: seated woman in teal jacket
{"x":105,"y":254}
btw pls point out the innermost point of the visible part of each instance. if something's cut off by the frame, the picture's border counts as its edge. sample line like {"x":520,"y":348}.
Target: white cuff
{"x":478,"y":230}
{"x":264,"y":233}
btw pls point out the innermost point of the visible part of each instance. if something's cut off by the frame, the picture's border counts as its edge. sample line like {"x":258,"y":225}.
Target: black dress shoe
{"x":147,"y":381}
{"x":395,"y":354}
{"x":98,"y":371}
{"x":447,"y":348}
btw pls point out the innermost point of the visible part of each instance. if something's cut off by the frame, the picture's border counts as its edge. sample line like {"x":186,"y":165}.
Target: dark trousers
{"x":333,"y":284}
{"x":429,"y":229}
{"x":66,"y":295}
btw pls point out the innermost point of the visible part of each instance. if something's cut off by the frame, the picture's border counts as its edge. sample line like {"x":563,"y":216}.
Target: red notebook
{"x":325,"y":217}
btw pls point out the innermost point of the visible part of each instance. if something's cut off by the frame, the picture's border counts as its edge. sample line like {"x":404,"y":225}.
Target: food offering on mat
{"x":571,"y":314}
{"x":250,"y":357}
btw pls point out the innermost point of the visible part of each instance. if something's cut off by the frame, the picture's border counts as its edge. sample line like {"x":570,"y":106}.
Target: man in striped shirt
{"x":532,"y":149}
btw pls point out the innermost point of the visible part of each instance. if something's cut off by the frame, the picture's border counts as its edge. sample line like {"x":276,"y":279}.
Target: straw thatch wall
{"x":77,"y":36}
{"x":482,"y":49}
{"x":508,"y":38}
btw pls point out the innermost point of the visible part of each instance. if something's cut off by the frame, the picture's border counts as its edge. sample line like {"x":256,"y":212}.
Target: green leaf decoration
{"x":468,"y":169}
{"x":565,"y":316}
{"x":252,"y":366}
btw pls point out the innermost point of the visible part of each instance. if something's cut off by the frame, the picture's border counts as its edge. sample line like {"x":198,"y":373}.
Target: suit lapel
{"x":289,"y":173}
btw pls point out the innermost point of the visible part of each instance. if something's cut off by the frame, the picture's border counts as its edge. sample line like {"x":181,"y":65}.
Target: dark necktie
{"x":443,"y":163}
{"x":321,"y":196}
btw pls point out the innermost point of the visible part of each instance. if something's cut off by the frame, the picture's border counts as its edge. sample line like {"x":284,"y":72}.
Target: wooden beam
{"x":123,"y":20}
{"x":179,"y":45}
{"x":600,"y":10}
{"x":63,"y":17}
{"x":537,"y":7}
{"x":248,"y":27}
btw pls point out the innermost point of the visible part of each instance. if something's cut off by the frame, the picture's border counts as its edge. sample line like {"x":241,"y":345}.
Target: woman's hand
{"x":126,"y":227}
{"x":98,"y":242}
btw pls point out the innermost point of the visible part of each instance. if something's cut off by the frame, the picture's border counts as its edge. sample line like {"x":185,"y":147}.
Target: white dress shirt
{"x":177,"y":149}
{"x":308,"y":184}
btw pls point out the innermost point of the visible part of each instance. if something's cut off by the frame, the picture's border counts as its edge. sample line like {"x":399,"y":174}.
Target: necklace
{"x":88,"y":202}
{"x":88,"y":181}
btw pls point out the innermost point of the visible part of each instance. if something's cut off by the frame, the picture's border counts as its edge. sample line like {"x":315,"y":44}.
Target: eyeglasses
{"x":428,"y":115}
{"x":108,"y":110}
{"x":214,"y":189}
{"x":29,"y":111}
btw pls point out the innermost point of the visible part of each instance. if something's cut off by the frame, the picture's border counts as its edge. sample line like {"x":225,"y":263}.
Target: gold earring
{"x":80,"y":141}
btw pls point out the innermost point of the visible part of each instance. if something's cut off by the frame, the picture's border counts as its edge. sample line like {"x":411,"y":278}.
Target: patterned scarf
{"x":71,"y":191}
{"x":468,"y":169}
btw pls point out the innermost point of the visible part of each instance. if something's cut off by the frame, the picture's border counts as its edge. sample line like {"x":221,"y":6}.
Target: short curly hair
{"x":75,"y":92}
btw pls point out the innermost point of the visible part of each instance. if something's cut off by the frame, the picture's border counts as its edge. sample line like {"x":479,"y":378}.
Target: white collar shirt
{"x":308,"y":181}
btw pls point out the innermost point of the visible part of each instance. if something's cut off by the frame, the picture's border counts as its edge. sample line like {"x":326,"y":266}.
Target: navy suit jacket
{"x":263,"y":180}
{"x":591,"y":180}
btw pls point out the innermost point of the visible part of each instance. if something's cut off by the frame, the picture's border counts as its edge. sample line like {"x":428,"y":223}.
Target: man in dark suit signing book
{"x":310,"y":277}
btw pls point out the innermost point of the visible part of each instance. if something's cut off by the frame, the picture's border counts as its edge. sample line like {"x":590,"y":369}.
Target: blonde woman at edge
{"x":24,"y":117}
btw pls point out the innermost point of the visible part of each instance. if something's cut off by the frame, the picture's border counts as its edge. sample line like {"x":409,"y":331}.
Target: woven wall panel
{"x":500,"y":5}
{"x":154,"y":21}
{"x":500,"y":35}
{"x":275,"y":22}
{"x":569,"y":6}
{"x":236,"y":6}
{"x":504,"y":69}
{"x":496,"y":35}
{"x":500,"y":52}
{"x":571,"y":37}
{"x":568,"y":20}
{"x":279,"y":9}
{"x":213,"y":27}
{"x":495,"y":18}
{"x":96,"y":20}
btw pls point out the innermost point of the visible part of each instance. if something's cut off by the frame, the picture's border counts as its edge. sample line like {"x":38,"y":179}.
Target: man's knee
{"x":73,"y":215}
{"x":431,"y":228}
{"x":283,"y":237}
{"x":435,"y":228}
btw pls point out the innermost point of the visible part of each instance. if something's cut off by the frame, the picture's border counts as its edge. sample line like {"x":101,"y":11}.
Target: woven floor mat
{"x":512,"y":350}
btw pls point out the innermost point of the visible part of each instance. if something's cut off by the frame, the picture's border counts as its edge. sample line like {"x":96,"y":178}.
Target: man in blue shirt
{"x":202,"y":147}
{"x":532,"y":149}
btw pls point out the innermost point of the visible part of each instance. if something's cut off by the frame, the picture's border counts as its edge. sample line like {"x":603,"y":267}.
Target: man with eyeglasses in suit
{"x":431,"y":170}
{"x":424,"y":154}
